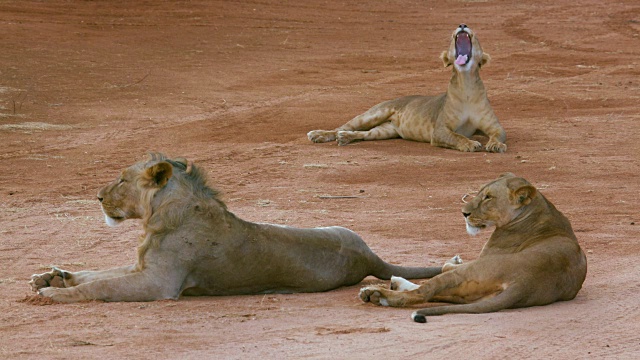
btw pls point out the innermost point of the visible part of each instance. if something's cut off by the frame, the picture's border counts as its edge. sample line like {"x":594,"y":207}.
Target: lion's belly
{"x":416,"y":131}
{"x":279,"y":259}
{"x":417,"y":118}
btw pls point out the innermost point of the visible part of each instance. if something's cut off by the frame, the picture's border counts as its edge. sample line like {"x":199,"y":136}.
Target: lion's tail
{"x":505,"y":300}
{"x":385,"y":271}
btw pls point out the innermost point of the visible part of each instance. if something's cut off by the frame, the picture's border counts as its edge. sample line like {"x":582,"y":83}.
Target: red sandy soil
{"x":87,"y":88}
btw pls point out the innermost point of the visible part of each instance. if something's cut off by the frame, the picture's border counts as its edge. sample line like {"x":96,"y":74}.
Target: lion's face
{"x":498,"y":203}
{"x":465,"y":52}
{"x":125,"y":198}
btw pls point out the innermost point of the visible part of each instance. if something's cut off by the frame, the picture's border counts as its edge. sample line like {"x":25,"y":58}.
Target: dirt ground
{"x":87,"y":88}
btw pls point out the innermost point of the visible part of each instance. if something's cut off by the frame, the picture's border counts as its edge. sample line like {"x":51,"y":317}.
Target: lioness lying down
{"x":446,"y":120}
{"x":532,"y":258}
{"x":192,"y":245}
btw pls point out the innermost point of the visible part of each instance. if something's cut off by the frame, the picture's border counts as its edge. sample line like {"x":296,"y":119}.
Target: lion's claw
{"x":470,"y":146}
{"x":495,"y":146}
{"x":475,"y":146}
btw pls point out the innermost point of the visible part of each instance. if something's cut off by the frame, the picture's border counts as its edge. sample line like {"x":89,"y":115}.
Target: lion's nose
{"x":466,"y":214}
{"x":462,"y":26}
{"x":100,"y":198}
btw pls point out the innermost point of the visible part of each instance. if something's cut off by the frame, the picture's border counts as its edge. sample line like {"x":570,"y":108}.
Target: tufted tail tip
{"x":419,"y":318}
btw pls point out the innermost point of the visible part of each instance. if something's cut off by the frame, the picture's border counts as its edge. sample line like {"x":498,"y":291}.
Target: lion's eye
{"x":120,"y":181}
{"x":487,"y":197}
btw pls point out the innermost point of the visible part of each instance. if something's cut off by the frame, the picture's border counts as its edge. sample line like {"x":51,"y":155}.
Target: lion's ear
{"x":445,"y":59}
{"x":158,"y":175}
{"x":485,"y":59}
{"x":522,"y":192}
{"x":507,"y":174}
{"x":525,"y":194}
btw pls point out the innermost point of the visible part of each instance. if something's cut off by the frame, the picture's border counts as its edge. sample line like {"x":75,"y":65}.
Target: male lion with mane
{"x":192,"y":245}
{"x":532,"y":258}
{"x":446,"y":120}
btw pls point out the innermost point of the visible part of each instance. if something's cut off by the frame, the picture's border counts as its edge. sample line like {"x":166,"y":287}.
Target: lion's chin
{"x":473,"y":230}
{"x":111,"y":221}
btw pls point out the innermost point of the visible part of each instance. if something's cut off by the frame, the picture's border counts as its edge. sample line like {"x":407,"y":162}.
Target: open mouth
{"x":463,"y":48}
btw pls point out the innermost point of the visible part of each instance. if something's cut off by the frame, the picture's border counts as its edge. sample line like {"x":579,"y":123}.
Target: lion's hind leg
{"x":370,"y":119}
{"x":448,"y":285}
{"x":378,"y":295}
{"x":381,"y":132}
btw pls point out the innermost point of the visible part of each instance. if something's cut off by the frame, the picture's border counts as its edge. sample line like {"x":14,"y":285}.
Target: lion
{"x":192,"y":245}
{"x":446,"y":120}
{"x":532,"y":258}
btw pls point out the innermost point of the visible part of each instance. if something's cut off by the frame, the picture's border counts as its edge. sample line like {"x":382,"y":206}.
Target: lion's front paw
{"x":452,"y":263}
{"x":346,"y":137}
{"x":321,"y":136}
{"x":456,"y":260}
{"x":496,"y":146}
{"x":470,"y":146}
{"x":48,"y":292}
{"x":373,"y":294}
{"x":54,"y":279}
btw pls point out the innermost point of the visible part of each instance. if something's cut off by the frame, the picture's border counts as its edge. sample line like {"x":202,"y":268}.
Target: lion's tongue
{"x":461,"y":60}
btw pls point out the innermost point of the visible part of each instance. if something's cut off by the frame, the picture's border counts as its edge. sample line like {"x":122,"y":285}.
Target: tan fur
{"x":446,"y":120}
{"x":532,"y":258}
{"x":192,"y":245}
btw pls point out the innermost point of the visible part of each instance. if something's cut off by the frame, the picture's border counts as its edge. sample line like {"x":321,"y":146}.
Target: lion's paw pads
{"x":372,"y":295}
{"x":364,"y":294}
{"x":53,"y":279}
